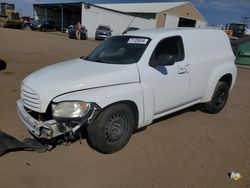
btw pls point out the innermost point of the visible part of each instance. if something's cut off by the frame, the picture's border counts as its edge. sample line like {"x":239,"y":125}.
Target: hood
{"x":106,"y":31}
{"x":75,"y":75}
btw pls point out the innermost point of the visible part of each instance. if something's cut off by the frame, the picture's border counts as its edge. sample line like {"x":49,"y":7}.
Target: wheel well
{"x":227,"y":79}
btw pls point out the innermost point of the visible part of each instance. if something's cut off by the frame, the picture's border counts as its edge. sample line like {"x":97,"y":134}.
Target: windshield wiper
{"x":100,"y":61}
{"x":93,"y":60}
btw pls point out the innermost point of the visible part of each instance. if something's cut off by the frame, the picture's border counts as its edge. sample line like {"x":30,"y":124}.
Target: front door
{"x":169,"y":83}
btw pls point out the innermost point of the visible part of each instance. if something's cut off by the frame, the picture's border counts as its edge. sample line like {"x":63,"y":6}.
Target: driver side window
{"x":172,"y":46}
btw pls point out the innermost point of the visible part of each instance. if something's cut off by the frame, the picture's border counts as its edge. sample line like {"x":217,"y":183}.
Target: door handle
{"x":182,"y":70}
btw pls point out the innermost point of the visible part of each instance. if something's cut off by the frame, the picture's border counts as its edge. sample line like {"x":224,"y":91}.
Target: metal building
{"x":121,"y":16}
{"x":63,"y":14}
{"x":95,"y":15}
{"x":166,"y":14}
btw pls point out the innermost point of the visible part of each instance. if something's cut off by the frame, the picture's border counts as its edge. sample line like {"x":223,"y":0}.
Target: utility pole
{"x":20,"y":11}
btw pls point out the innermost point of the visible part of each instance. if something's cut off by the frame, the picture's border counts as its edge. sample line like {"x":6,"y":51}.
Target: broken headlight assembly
{"x":72,"y":110}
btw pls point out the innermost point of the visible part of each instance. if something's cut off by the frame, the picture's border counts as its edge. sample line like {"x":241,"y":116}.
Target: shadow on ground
{"x":172,"y":115}
{"x":3,"y":65}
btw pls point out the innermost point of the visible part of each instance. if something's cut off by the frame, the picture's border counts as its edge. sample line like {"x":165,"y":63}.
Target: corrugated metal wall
{"x":94,"y":16}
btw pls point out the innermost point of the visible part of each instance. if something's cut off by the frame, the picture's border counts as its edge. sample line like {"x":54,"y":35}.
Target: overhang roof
{"x":73,"y":5}
{"x":143,"y":7}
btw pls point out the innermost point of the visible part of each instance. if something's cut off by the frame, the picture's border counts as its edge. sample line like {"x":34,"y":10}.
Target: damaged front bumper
{"x":47,"y":129}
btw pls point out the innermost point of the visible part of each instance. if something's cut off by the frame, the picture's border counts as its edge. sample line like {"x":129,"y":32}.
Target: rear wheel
{"x":219,"y":98}
{"x":112,"y":129}
{"x":85,"y":37}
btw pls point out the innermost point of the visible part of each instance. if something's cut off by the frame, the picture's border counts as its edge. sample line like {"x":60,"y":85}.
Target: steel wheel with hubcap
{"x":112,"y":129}
{"x":219,"y":98}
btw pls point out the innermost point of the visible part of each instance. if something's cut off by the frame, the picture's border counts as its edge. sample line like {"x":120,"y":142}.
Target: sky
{"x":214,"y":11}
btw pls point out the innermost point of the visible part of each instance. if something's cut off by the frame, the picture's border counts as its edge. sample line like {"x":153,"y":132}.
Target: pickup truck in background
{"x":126,"y":83}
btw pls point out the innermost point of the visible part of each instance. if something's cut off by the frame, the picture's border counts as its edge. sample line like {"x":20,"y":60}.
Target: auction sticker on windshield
{"x":137,"y":41}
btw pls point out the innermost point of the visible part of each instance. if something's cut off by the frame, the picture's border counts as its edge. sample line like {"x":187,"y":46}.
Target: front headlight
{"x":70,"y":109}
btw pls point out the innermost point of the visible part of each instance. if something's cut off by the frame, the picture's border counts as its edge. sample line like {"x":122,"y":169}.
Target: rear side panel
{"x":210,"y":56}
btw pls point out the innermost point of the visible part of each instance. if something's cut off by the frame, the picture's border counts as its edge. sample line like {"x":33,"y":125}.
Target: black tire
{"x":112,"y":129}
{"x":218,"y":100}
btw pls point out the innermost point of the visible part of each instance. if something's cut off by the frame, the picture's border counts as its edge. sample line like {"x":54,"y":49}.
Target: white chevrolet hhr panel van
{"x":126,"y":83}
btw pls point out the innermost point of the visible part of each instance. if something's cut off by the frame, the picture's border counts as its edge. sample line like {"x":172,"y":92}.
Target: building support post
{"x":34,"y":14}
{"x":45,"y":13}
{"x":61,"y":17}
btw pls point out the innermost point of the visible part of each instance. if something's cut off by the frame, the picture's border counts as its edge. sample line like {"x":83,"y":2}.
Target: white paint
{"x":59,"y":74}
{"x":208,"y":51}
{"x":156,"y":91}
{"x":171,"y":21}
{"x":143,"y":7}
{"x":169,"y":86}
{"x":200,"y":24}
{"x":118,"y":22}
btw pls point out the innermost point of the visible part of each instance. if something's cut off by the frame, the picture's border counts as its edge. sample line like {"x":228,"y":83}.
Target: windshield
{"x":236,"y":26}
{"x":119,"y":50}
{"x":133,"y":28}
{"x":103,"y":28}
{"x":72,"y":27}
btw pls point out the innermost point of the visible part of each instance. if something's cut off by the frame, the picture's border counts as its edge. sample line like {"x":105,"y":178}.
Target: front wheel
{"x":219,"y":98}
{"x":112,"y":129}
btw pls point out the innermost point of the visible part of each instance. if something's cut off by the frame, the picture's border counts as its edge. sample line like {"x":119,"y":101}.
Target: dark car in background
{"x":34,"y":24}
{"x":130,"y":29}
{"x":102,"y":32}
{"x":72,"y":32}
{"x":27,"y":20}
{"x":44,"y":25}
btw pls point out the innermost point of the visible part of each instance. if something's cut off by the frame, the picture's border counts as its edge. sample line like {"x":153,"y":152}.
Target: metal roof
{"x":143,"y":7}
{"x":153,"y":33}
{"x":73,"y":5}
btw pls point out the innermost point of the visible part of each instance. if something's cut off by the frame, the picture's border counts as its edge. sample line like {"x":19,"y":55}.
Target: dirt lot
{"x":189,"y":149}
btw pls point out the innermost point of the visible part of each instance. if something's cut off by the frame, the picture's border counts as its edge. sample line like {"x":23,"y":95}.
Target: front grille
{"x":29,"y":98}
